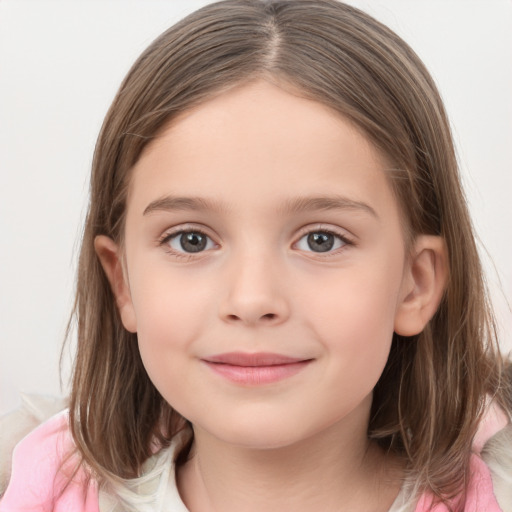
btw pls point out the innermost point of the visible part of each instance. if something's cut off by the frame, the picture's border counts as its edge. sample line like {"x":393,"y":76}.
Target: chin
{"x":264,"y":434}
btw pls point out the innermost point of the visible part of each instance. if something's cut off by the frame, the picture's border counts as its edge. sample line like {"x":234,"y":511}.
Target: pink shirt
{"x":37,"y":484}
{"x":480,"y":497}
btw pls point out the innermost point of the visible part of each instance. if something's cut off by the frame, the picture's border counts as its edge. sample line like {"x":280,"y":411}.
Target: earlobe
{"x":110,"y":258}
{"x":425,"y":278}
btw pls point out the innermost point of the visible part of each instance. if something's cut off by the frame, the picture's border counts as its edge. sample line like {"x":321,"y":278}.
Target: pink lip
{"x":255,"y":369}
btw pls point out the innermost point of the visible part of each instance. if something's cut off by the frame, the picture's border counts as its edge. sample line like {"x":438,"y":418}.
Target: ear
{"x":110,"y":257}
{"x":423,"y":285}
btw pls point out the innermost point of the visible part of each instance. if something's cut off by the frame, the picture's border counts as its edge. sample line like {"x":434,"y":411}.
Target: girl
{"x":280,"y":305}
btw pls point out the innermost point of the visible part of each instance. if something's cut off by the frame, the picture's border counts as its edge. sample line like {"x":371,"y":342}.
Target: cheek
{"x":168,"y":304}
{"x":354,"y":317}
{"x":169,"y":314}
{"x":360,"y":299}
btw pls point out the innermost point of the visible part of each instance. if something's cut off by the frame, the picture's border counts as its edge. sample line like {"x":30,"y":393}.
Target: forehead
{"x":257,"y":144}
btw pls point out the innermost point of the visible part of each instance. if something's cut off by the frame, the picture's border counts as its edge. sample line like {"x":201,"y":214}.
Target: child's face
{"x":292,"y":247}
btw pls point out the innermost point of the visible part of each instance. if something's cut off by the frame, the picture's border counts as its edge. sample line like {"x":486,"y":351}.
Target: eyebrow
{"x":173,"y":203}
{"x":290,"y":206}
{"x":304,"y":204}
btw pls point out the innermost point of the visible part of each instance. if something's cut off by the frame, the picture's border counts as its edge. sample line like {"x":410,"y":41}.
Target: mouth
{"x":255,"y":369}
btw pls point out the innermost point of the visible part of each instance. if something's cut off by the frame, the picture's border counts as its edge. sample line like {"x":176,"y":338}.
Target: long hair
{"x":429,"y":399}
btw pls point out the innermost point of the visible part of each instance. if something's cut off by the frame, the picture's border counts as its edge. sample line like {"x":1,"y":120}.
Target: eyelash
{"x":167,"y":237}
{"x":328,"y":231}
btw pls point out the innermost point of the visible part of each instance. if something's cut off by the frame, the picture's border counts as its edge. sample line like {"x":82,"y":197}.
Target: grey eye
{"x":190,"y":241}
{"x":320,"y":241}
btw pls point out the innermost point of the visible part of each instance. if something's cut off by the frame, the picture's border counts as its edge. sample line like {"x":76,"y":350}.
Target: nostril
{"x":268,"y":316}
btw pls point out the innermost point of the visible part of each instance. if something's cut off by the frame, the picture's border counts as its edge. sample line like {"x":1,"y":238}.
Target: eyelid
{"x":175,"y":231}
{"x":347,"y":239}
{"x":184,"y":228}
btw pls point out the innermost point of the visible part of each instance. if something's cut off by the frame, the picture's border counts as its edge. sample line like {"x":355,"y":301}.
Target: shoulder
{"x":14,"y":426}
{"x":497,"y":455}
{"x":490,"y":485}
{"x":46,"y":474}
{"x":154,"y":491}
{"x":490,"y":481}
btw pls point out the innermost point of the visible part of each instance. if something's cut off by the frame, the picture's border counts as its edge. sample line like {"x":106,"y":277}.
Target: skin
{"x":259,"y":286}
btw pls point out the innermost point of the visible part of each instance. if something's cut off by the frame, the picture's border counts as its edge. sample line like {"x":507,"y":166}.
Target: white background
{"x":60,"y":65}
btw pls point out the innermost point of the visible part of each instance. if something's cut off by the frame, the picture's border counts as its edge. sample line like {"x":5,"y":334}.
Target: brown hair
{"x":428,"y":401}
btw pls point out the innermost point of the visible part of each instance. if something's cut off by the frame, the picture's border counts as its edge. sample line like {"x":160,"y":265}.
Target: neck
{"x":337,"y":469}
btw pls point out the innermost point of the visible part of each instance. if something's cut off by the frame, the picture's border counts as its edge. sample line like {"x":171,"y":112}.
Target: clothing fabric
{"x":46,"y":477}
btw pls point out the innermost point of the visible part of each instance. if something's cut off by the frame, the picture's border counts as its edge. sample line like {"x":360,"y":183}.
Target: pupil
{"x":193,"y":242}
{"x":320,"y":242}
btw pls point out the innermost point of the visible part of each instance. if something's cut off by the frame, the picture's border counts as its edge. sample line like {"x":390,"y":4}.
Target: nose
{"x":254,"y":293}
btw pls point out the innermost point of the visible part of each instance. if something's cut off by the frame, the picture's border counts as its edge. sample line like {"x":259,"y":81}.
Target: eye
{"x":189,"y":241}
{"x":321,"y":241}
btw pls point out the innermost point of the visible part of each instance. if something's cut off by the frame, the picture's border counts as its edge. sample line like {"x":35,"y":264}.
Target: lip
{"x":255,"y":368}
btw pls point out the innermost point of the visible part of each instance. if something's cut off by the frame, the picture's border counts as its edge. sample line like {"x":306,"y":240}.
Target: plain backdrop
{"x":60,"y":65}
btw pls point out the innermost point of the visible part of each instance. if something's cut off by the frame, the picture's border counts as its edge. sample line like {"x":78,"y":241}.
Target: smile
{"x":255,"y":369}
